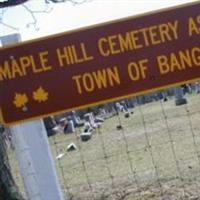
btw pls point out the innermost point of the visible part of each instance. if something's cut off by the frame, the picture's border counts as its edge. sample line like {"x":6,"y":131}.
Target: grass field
{"x":155,"y":156}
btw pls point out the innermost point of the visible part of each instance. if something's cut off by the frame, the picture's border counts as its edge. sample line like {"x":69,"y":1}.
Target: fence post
{"x":33,"y":154}
{"x":36,"y":163}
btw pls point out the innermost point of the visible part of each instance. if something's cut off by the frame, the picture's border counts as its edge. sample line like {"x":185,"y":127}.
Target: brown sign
{"x":100,"y":64}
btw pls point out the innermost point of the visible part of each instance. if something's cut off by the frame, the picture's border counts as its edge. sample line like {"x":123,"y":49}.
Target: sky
{"x":56,"y":18}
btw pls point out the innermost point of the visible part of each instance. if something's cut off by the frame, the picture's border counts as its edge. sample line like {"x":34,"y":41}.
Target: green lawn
{"x":154,"y":156}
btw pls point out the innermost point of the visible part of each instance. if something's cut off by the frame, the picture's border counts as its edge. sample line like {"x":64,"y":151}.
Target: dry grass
{"x":154,"y":157}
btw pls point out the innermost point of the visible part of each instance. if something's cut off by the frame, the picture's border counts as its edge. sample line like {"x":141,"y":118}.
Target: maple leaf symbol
{"x":40,"y":95}
{"x":20,"y":100}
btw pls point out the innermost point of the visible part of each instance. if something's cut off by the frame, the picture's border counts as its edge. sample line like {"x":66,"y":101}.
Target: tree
{"x":8,"y":3}
{"x":8,"y":188}
{"x":25,"y":6}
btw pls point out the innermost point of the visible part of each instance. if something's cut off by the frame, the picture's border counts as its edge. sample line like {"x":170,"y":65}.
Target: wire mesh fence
{"x":150,"y":151}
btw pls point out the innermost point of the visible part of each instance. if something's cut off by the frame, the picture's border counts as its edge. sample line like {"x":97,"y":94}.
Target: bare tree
{"x":8,"y":3}
{"x":5,"y":5}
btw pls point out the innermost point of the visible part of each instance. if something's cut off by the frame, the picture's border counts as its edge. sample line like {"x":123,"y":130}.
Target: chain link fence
{"x":148,"y":150}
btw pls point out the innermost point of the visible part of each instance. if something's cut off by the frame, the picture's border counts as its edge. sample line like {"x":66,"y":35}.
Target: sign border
{"x":107,"y":100}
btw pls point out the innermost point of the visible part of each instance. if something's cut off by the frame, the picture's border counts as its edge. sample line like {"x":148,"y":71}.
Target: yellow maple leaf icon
{"x":40,"y":95}
{"x":20,"y":100}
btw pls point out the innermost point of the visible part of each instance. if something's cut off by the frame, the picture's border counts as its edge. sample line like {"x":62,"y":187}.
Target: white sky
{"x":66,"y":16}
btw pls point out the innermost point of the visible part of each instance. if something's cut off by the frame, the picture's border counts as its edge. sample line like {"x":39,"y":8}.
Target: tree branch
{"x":33,"y":13}
{"x":75,"y":2}
{"x":8,"y":3}
{"x":2,"y":13}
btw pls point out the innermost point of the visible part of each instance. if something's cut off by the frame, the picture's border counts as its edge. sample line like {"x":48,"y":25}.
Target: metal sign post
{"x":36,"y":162}
{"x":34,"y":155}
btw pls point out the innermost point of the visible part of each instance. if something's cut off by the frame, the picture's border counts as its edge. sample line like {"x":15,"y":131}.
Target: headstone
{"x":63,"y":121}
{"x":161,"y":95}
{"x":98,"y":120}
{"x":141,"y":100}
{"x":164,"y":94}
{"x":60,"y":155}
{"x":102,"y":111}
{"x":119,"y":107}
{"x":179,"y":96}
{"x":170,"y":92}
{"x":129,"y":103}
{"x":125,"y":107}
{"x":49,"y":124}
{"x":87,"y":132}
{"x":192,"y":87}
{"x":2,"y":129}
{"x":186,"y":88}
{"x":60,"y":117}
{"x":89,"y":118}
{"x":110,"y":107}
{"x":76,"y":120}
{"x":197,"y":87}
{"x":71,"y":147}
{"x":85,"y":136}
{"x":69,"y":127}
{"x":58,"y":129}
{"x":87,"y":127}
{"x":61,"y":125}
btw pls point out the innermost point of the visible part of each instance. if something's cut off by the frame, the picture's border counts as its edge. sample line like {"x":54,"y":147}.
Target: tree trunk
{"x":8,"y":188}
